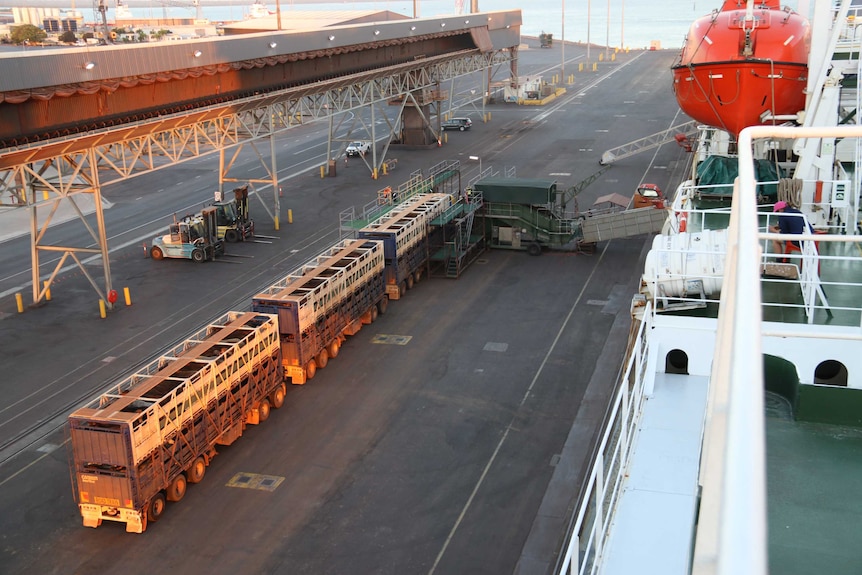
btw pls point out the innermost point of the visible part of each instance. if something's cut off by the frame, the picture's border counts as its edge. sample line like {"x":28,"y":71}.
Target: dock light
{"x":197,"y":53}
{"x":477,"y":159}
{"x":412,"y":28}
{"x":273,"y":44}
{"x":442,"y":24}
{"x":377,"y":32}
{"x":331,"y":38}
{"x":466,"y":21}
{"x":89,"y":65}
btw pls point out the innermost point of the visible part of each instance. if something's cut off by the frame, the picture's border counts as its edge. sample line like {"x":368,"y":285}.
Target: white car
{"x":358,"y":148}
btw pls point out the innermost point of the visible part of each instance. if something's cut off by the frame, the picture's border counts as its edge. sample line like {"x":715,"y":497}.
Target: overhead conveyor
{"x":53,"y":163}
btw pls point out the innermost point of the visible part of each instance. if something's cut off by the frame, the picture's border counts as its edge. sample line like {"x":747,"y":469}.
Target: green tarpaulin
{"x":719,"y":170}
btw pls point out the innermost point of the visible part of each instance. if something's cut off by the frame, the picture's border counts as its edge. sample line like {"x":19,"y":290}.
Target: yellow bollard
{"x":581,"y":67}
{"x":595,"y":66}
{"x":19,"y":299}
{"x":102,"y":311}
{"x":290,"y":216}
{"x":614,"y":57}
{"x":275,"y":221}
{"x":128,"y":295}
{"x":374,"y":173}
{"x":322,"y":171}
{"x":385,"y":173}
{"x":47,"y":291}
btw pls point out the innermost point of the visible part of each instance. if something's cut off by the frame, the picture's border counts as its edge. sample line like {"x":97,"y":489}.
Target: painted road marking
{"x":495,"y":346}
{"x":255,"y":481}
{"x":391,"y":339}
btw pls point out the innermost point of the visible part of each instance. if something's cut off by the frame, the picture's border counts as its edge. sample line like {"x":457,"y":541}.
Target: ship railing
{"x":590,"y":525}
{"x":731,"y":535}
{"x":852,"y":31}
{"x":821,"y":266}
{"x":796,"y":284}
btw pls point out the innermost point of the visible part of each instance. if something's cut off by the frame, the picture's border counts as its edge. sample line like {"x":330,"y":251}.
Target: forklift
{"x":233,"y":223}
{"x":193,"y":237}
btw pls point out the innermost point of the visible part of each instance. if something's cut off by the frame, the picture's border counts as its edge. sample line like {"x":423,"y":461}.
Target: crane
{"x":99,"y":6}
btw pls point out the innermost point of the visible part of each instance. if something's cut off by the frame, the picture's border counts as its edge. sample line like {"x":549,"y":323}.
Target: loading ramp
{"x":444,"y":177}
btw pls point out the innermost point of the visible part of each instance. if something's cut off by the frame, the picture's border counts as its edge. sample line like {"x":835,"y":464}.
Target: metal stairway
{"x":459,"y":247}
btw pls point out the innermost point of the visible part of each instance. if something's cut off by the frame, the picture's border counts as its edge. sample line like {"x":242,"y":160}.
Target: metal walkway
{"x":683,"y":134}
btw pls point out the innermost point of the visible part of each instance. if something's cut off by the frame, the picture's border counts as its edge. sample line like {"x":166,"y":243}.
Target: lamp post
{"x":623,"y":26}
{"x":608,"y":31}
{"x":563,"y":45}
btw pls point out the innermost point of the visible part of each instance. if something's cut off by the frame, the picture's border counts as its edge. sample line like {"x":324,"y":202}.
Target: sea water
{"x":616,"y":23}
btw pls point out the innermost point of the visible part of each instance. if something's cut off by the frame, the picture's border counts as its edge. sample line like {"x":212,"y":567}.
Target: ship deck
{"x":813,"y":497}
{"x":813,"y":443}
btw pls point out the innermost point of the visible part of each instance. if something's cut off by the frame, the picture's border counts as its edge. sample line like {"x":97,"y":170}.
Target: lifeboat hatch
{"x":676,"y":361}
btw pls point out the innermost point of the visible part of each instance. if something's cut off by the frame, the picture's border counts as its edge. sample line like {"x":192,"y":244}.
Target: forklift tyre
{"x":231,"y":236}
{"x":534,"y":249}
{"x":198,"y":255}
{"x":156,"y":253}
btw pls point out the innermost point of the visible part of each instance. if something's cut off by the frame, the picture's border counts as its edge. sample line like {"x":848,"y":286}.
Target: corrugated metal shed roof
{"x":93,"y":65}
{"x":311,"y":20}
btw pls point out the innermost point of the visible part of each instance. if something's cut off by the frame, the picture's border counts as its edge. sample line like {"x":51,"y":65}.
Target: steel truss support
{"x":54,"y":171}
{"x":56,"y":185}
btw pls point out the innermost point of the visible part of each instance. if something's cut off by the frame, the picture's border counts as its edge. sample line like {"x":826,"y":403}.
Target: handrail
{"x":730,"y":536}
{"x":588,"y":531}
{"x":732,"y":521}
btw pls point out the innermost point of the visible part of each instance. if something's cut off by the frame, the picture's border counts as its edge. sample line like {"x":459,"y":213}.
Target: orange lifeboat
{"x":745,"y":60}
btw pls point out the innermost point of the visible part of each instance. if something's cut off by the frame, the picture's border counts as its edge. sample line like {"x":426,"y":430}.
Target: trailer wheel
{"x":263,"y":410}
{"x":276,"y":398}
{"x":310,"y":370}
{"x":197,"y":471}
{"x":334,"y":347}
{"x":177,"y":490}
{"x":534,"y":249}
{"x":156,"y":253}
{"x":156,"y":507}
{"x":374,"y":313}
{"x":402,"y":288}
{"x":417,"y":275}
{"x":410,"y":281}
{"x":322,"y":358}
{"x":198,"y":255}
{"x":231,"y":236}
{"x":382,"y":305}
